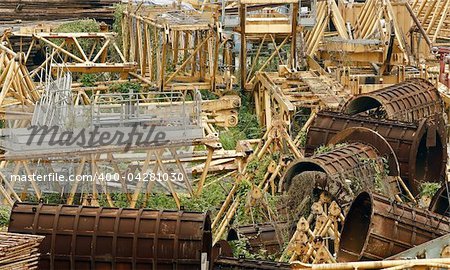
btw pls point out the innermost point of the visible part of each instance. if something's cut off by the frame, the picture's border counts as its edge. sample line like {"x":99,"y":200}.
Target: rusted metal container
{"x":409,"y":101}
{"x":266,"y":236}
{"x":85,"y":237}
{"x":420,"y":159}
{"x":376,"y":227}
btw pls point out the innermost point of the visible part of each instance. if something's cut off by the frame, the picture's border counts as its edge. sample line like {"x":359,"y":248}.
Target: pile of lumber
{"x":19,"y":251}
{"x":28,"y":10}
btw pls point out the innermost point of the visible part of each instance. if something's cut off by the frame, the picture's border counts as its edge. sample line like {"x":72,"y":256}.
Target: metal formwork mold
{"x":419,"y":160}
{"x":260,"y":236}
{"x":340,"y":158}
{"x":85,"y":237}
{"x":340,"y":164}
{"x":409,"y":101}
{"x":221,"y":249}
{"x":440,"y":203}
{"x":228,"y":263}
{"x":376,"y":227}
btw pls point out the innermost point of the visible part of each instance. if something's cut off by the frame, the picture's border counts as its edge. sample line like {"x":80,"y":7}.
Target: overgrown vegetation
{"x":302,"y":138}
{"x":429,"y":189}
{"x":207,"y":95}
{"x":126,"y":87}
{"x":326,"y":148}
{"x":89,"y":45}
{"x":241,"y":248}
{"x":381,"y":168}
{"x":79,"y":26}
{"x":90,"y":79}
{"x":207,"y":201}
{"x":247,"y":128}
{"x":300,"y":118}
{"x":258,"y":168}
{"x":117,"y":25}
{"x":4,"y":215}
{"x":87,"y":80}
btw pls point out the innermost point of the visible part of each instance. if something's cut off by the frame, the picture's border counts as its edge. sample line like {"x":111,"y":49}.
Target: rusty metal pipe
{"x":376,"y":228}
{"x":85,"y":237}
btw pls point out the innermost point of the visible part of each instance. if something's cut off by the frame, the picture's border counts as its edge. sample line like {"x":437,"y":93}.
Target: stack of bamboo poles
{"x":28,"y":10}
{"x":19,"y":251}
{"x":434,"y":15}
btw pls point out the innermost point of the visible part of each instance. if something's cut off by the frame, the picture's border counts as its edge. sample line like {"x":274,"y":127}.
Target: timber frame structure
{"x":177,"y":49}
{"x":282,"y":95}
{"x":262,"y":27}
{"x":72,"y":52}
{"x":434,"y":18}
{"x":366,"y":52}
{"x":276,"y":144}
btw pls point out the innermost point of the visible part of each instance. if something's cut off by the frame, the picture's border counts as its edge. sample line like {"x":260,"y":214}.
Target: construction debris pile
{"x":251,"y":134}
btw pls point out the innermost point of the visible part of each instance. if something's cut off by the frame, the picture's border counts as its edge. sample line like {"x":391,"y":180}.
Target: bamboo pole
{"x":368,"y":264}
{"x":226,"y":221}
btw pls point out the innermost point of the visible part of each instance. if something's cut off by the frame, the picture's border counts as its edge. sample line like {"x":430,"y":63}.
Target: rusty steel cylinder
{"x":376,"y":227}
{"x":333,"y":162}
{"x":419,"y":159}
{"x":342,"y":172}
{"x":408,"y":101}
{"x":266,"y":236}
{"x":440,"y":202}
{"x":87,"y":237}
